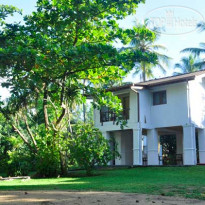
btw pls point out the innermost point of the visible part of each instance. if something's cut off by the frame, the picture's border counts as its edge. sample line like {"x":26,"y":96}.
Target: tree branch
{"x":23,"y":137}
{"x":45,"y":104}
{"x":61,"y":116}
{"x":29,"y":132}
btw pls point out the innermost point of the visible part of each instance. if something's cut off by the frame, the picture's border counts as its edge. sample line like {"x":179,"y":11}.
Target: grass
{"x":167,"y":181}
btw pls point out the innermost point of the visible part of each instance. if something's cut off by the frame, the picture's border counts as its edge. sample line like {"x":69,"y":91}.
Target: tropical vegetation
{"x":188,"y":65}
{"x":142,"y":42}
{"x":45,"y":63}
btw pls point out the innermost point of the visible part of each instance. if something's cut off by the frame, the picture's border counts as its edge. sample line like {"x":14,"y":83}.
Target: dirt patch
{"x":87,"y":198}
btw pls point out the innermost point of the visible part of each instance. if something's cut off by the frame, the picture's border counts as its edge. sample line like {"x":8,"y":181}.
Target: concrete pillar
{"x":152,"y":137}
{"x":107,"y":136}
{"x":117,"y":136}
{"x":189,"y":145}
{"x":201,"y":140}
{"x":179,"y":141}
{"x":179,"y":148}
{"x":137,"y":146}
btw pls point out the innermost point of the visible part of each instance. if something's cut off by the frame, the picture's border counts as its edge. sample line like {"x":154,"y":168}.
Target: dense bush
{"x":20,"y":161}
{"x":48,"y":164}
{"x":89,"y":148}
{"x":20,"y":164}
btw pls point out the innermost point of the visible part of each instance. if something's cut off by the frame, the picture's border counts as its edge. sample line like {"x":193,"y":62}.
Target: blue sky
{"x":174,"y":43}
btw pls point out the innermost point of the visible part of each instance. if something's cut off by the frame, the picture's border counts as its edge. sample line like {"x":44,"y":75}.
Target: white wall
{"x":145,"y":108}
{"x":124,"y":147}
{"x":175,"y":112}
{"x":197,"y":101}
{"x":131,"y":122}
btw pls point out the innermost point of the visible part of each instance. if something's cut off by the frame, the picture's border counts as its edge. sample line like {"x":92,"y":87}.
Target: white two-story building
{"x":162,"y":107}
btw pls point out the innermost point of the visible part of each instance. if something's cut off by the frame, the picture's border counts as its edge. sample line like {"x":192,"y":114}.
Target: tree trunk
{"x":143,"y":72}
{"x":84,"y":108}
{"x":45,"y":102}
{"x":63,"y":162}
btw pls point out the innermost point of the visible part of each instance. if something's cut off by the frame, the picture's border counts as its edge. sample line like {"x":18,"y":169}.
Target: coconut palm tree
{"x":148,"y":46}
{"x":200,"y":50}
{"x":187,"y":65}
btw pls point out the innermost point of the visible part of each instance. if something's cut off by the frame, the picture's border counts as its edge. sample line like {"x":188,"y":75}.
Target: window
{"x":125,"y":100}
{"x":160,"y":97}
{"x":107,"y":115}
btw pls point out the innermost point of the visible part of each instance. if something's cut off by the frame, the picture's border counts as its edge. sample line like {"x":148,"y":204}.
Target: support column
{"x":179,"y":148}
{"x":189,"y":145}
{"x":137,"y":146}
{"x":152,"y":137}
{"x":179,"y":143}
{"x":201,"y":140}
{"x":117,"y":136}
{"x":107,"y":136}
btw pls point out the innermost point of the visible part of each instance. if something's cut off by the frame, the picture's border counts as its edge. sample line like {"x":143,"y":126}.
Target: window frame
{"x":161,"y":101}
{"x":108,"y":115}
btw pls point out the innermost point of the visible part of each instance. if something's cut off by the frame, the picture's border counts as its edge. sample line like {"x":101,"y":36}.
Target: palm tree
{"x":145,"y":45}
{"x":201,"y":26}
{"x":198,"y":51}
{"x":187,"y":65}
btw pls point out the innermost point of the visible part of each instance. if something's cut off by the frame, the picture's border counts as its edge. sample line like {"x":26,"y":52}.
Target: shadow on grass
{"x":186,"y":182}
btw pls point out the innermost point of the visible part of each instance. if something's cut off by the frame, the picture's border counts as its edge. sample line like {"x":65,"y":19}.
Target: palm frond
{"x":161,"y":67}
{"x":196,"y":51}
{"x":177,"y":73}
{"x":163,"y":58}
{"x":157,"y":47}
{"x":188,"y":64}
{"x":200,"y":64}
{"x":202,"y":45}
{"x":201,"y":26}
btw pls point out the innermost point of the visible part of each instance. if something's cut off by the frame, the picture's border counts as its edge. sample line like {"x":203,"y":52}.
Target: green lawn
{"x":168,"y":181}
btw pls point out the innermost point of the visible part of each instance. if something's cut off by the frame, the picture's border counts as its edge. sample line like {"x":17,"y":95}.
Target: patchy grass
{"x":167,"y":181}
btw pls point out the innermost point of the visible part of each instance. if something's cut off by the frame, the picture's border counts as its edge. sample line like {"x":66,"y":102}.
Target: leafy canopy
{"x":46,"y":61}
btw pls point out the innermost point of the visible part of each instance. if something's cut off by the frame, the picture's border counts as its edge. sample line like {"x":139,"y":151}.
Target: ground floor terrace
{"x":181,"y":145}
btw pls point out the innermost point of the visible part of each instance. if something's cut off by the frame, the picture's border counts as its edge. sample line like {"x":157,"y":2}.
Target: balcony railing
{"x":107,"y":116}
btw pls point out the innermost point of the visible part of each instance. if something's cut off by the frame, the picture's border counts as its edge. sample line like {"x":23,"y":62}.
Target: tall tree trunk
{"x":63,"y":162}
{"x":45,"y":103}
{"x":144,"y":72}
{"x":84,"y":108}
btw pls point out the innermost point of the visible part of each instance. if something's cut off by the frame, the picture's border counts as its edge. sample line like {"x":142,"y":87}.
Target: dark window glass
{"x":159,"y":98}
{"x":107,"y":115}
{"x":126,"y":106}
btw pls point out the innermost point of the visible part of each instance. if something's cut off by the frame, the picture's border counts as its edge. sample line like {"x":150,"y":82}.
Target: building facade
{"x":172,"y":106}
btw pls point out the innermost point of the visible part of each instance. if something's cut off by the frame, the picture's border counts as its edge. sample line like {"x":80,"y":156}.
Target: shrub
{"x":89,"y":148}
{"x":20,"y":163}
{"x":48,"y":164}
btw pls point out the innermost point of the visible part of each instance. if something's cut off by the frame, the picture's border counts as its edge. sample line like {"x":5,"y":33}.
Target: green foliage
{"x":142,"y":44}
{"x":20,"y":163}
{"x":5,"y":143}
{"x":188,"y":64}
{"x":45,"y":64}
{"x":48,"y":162}
{"x":89,"y":148}
{"x":6,"y":10}
{"x":168,"y":143}
{"x":48,"y":154}
{"x":195,"y":60}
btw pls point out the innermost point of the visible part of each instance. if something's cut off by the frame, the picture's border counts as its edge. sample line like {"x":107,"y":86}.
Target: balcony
{"x":108,"y":115}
